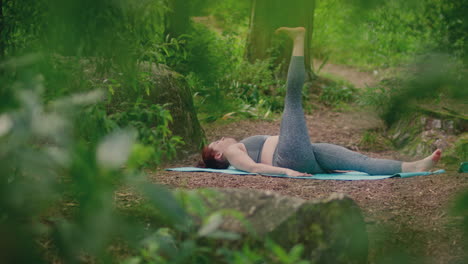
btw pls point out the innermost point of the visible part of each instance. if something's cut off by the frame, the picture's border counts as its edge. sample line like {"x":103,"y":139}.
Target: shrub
{"x":337,"y":92}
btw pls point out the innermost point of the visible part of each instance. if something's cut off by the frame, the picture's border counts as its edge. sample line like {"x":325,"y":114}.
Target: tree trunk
{"x":332,"y":230}
{"x":266,"y":17}
{"x":177,"y":19}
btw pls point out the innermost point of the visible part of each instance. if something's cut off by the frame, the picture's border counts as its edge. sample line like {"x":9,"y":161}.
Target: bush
{"x":152,"y":123}
{"x":255,"y":83}
{"x":224,"y":85}
{"x":209,"y":56}
{"x":337,"y":93}
{"x":373,"y":34}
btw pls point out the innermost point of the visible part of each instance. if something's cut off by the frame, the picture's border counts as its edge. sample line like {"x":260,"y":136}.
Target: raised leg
{"x":297,"y":34}
{"x":294,"y":149}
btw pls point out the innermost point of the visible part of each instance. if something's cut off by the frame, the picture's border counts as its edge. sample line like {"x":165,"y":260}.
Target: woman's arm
{"x":264,"y":168}
{"x":239,"y":158}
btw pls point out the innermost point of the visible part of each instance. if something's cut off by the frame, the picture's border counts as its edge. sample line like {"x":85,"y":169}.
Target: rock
{"x":167,"y":87}
{"x":458,"y":151}
{"x":332,"y":230}
{"x":441,"y":143}
{"x":436,"y":123}
{"x":448,"y":126}
{"x":423,"y":120}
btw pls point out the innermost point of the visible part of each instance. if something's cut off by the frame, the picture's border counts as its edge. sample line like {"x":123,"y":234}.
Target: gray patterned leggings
{"x":295,"y":151}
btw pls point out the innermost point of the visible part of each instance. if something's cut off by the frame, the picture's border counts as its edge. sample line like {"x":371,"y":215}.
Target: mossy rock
{"x":458,"y":152}
{"x":331,"y":230}
{"x":406,"y":135}
{"x":157,"y":84}
{"x":171,"y":88}
{"x":420,"y":134}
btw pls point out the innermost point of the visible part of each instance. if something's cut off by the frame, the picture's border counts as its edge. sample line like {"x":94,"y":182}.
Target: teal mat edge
{"x":331,"y":176}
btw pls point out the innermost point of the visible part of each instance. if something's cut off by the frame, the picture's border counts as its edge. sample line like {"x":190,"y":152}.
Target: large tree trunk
{"x":177,"y":19}
{"x":331,"y":230}
{"x":268,"y":15}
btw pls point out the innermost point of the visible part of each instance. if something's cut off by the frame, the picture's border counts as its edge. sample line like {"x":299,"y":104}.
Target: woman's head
{"x":212,"y":160}
{"x":212,"y":154}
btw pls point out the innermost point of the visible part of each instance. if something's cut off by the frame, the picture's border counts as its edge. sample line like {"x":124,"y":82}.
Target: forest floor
{"x":407,"y":219}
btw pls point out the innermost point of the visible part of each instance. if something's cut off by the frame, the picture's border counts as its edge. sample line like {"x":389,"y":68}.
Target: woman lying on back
{"x":292,"y":153}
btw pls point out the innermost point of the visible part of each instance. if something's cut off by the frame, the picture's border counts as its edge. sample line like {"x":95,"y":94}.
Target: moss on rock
{"x":331,"y":230}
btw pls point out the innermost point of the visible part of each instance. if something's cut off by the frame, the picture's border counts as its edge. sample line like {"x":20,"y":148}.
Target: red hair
{"x":209,"y":160}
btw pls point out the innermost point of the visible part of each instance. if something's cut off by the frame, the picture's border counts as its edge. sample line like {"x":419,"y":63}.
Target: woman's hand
{"x":294,"y":173}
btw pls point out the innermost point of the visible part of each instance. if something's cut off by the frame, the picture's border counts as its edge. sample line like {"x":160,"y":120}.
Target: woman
{"x":291,"y":152}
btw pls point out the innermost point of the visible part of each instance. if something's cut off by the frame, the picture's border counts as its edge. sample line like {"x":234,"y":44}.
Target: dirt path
{"x":402,"y":215}
{"x":359,"y":79}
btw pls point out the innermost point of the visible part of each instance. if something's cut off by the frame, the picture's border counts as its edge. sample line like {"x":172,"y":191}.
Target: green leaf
{"x":211,"y":224}
{"x":115,"y":149}
{"x":164,"y":201}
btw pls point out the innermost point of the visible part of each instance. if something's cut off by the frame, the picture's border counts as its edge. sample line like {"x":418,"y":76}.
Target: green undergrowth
{"x":382,"y":34}
{"x":457,"y":153}
{"x":374,"y":140}
{"x":66,"y":200}
{"x":234,"y":88}
{"x":336,"y":92}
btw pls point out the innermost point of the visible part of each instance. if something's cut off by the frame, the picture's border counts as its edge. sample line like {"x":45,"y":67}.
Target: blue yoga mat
{"x":346,"y":176}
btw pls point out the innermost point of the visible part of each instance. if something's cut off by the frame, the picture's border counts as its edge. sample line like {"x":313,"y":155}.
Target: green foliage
{"x":152,"y":123}
{"x":71,"y":181}
{"x":376,"y":96}
{"x":434,"y":78}
{"x":434,"y":81}
{"x":164,"y":247}
{"x":249,"y":90}
{"x":455,"y":23}
{"x":458,"y":153}
{"x":387,"y":33}
{"x":223,"y":84}
{"x":232,"y":15}
{"x":208,"y":56}
{"x":272,"y":254}
{"x":101,"y":28}
{"x":205,"y":242}
{"x":101,"y":45}
{"x":337,"y":93}
{"x":171,"y":52}
{"x":215,"y":103}
{"x":23,"y":23}
{"x":256,"y":84}
{"x":460,"y":209}
{"x":44,"y":167}
{"x":373,"y":140}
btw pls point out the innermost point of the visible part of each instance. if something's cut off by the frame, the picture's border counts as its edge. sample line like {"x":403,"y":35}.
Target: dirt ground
{"x":404,"y":217}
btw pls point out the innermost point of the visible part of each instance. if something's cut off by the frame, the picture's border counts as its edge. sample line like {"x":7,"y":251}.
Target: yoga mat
{"x":346,"y":176}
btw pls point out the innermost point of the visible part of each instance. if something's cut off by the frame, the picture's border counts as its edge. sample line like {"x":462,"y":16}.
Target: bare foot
{"x":293,"y":33}
{"x":423,"y":165}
